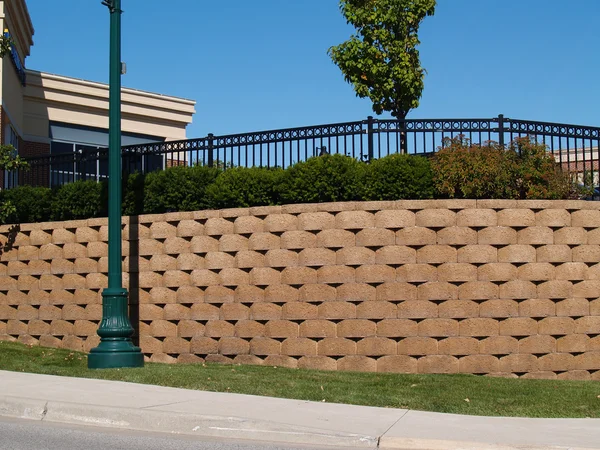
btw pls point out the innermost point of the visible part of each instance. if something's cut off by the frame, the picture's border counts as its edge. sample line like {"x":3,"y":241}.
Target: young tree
{"x":9,"y":160}
{"x":381,"y":60}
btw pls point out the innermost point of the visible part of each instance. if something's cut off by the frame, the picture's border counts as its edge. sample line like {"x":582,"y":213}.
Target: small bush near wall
{"x":178,"y":189}
{"x":244,"y":187}
{"x":523,"y":171}
{"x":398,"y":177}
{"x":327,"y":178}
{"x":32,"y":204}
{"x":79,"y":200}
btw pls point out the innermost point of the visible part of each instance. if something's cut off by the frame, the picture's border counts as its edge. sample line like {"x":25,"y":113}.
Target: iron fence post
{"x":370,"y":149}
{"x":501,"y":129}
{"x":211,"y":148}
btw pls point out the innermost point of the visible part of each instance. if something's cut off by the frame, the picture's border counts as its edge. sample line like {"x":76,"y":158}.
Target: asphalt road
{"x":36,"y":435}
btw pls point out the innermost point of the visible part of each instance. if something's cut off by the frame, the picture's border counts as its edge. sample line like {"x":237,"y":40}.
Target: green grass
{"x":459,"y":394}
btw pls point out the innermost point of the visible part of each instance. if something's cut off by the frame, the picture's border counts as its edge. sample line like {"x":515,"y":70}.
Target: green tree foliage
{"x":381,"y":60}
{"x":244,"y":187}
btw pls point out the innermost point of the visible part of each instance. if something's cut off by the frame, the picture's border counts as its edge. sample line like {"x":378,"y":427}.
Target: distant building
{"x":43,"y":114}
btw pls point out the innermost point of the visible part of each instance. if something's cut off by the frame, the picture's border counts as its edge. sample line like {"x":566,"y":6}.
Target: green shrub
{"x":327,"y":178}
{"x":397,"y":177}
{"x":79,"y":200}
{"x":465,"y":170}
{"x":178,"y":189}
{"x":29,"y":204}
{"x":243,"y":187}
{"x":538,"y":175}
{"x":133,"y":194}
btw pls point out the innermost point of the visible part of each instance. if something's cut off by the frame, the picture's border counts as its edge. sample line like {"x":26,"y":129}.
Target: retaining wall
{"x":506,"y":288}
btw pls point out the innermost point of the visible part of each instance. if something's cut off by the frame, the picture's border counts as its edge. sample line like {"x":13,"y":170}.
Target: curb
{"x":430,"y":444}
{"x":178,"y":423}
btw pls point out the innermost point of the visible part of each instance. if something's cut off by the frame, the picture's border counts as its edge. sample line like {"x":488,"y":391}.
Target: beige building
{"x":46,"y":114}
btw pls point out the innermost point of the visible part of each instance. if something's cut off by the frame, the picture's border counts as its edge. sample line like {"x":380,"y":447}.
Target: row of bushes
{"x":459,"y":170}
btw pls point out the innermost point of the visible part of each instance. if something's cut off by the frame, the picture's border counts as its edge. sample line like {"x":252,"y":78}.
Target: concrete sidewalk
{"x":159,"y":409}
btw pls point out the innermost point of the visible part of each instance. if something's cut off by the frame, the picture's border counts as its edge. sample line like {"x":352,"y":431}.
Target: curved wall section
{"x":509,"y":288}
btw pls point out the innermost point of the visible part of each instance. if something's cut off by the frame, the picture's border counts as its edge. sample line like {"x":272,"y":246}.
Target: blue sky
{"x":263,"y":64}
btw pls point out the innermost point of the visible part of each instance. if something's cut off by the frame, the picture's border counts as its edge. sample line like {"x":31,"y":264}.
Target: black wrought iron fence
{"x":575,"y":147}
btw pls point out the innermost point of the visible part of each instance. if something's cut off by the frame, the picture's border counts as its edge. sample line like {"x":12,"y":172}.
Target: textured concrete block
{"x":231,"y":345}
{"x":587,"y":325}
{"x":298,"y":240}
{"x":264,"y":241}
{"x":457,"y":236}
{"x":438,"y":364}
{"x":218,"y":226}
{"x":419,"y":309}
{"x":279,"y":258}
{"x":298,"y":347}
{"x":281,"y":329}
{"x":571,"y":236}
{"x":517,"y":254}
{"x":219,"y":260}
{"x":190,"y":228}
{"x":376,"y":346}
{"x":375,"y":237}
{"x":354,"y":220}
{"x":317,"y":293}
{"x":280,"y":222}
{"x":499,"y":308}
{"x":299,"y":311}
{"x":355,"y":256}
{"x":204,"y":277}
{"x":586,"y":253}
{"x":219,"y":329}
{"x":458,"y":346}
{"x":316,"y":221}
{"x":204,"y":312}
{"x":149,"y":247}
{"x":189,"y":294}
{"x":265,"y":311}
{"x":204,"y":244}
{"x":281,"y":293}
{"x":556,"y":326}
{"x":573,"y":271}
{"x":555,"y":289}
{"x":587,"y":218}
{"x":479,"y":327}
{"x":397,"y":364}
{"x":263,"y":346}
{"x":535,"y":236}
{"x":299,"y":275}
{"x":394,"y":219}
{"x":356,"y":363}
{"x":436,"y":254}
{"x":458,"y":309}
{"x":40,"y":237}
{"x":497,"y":236}
{"x":376,"y":310}
{"x":437,"y":290}
{"x":397,"y":328}
{"x":162,"y":262}
{"x":520,"y":363}
{"x":336,"y":346}
{"x":416,"y":273}
{"x":574,"y":343}
{"x":62,"y":236}
{"x":355,"y":328}
{"x":396,"y":255}
{"x":554,"y":254}
{"x":516,"y":218}
{"x":457,"y":272}
{"x":537,"y":344}
{"x":478,"y":364}
{"x":477,"y":254}
{"x":219,"y":294}
{"x":587,"y":289}
{"x":334,"y":274}
{"x":189,"y":261}
{"x":438,"y":327}
{"x":203,"y":345}
{"x":418,"y":346}
{"x":57,"y":266}
{"x":573,"y":307}
{"x":317,"y":329}
{"x":416,"y":236}
{"x":396,"y":291}
{"x":477,"y":218}
{"x":336,"y":239}
{"x":94,"y":250}
{"x":337,"y":310}
{"x":553,"y":218}
{"x":317,"y":257}
{"x":248,"y":225}
{"x":376,"y":273}
{"x":537,"y":307}
{"x":435,"y":218}
{"x":232,"y":277}
{"x":176,"y":245}
{"x":249,"y":328}
{"x":498,"y":345}
{"x":317,"y":363}
{"x":536,"y":272}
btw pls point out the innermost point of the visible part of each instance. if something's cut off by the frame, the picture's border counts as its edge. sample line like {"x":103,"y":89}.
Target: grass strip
{"x":458,"y":394}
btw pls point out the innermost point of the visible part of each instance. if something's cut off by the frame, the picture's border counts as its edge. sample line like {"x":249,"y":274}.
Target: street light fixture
{"x":115,"y":330}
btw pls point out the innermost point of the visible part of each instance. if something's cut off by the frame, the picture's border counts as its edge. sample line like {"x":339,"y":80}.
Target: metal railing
{"x":575,"y":147}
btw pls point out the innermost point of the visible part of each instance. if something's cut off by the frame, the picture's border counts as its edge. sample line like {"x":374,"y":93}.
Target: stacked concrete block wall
{"x":507,"y":288}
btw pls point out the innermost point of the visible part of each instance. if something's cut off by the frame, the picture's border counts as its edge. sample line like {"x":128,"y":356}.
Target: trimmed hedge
{"x":459,"y":170}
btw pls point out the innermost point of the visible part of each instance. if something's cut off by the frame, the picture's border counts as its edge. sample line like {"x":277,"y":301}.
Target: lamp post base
{"x":115,"y":349}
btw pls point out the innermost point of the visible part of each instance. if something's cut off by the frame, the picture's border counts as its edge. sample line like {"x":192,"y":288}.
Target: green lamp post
{"x":115,"y":330}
